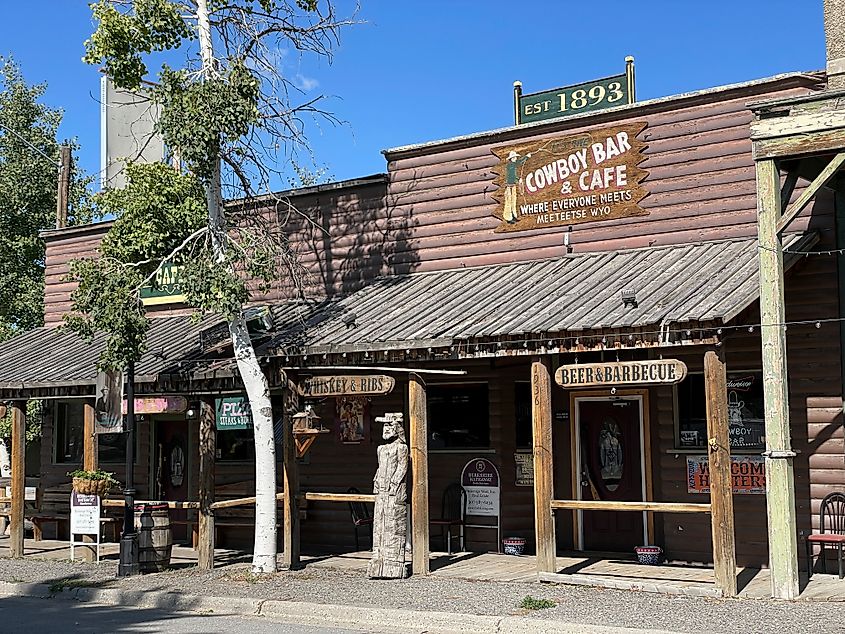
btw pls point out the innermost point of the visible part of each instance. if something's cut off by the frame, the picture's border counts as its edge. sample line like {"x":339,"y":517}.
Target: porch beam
{"x":812,"y":189}
{"x":541,"y":422}
{"x":721,"y":482}
{"x":290,"y":527}
{"x":89,"y":438}
{"x":656,"y":507}
{"x":18,"y":474}
{"x":780,"y":477}
{"x":207,"y":442}
{"x":417,"y":409}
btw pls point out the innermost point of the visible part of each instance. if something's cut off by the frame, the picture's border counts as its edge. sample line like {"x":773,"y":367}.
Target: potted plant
{"x":97,"y":482}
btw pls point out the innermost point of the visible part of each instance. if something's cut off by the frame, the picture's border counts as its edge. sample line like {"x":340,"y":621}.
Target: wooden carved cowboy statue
{"x":391,"y":514}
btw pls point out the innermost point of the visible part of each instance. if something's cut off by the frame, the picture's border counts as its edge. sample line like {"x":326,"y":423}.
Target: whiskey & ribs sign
{"x":584,"y":177}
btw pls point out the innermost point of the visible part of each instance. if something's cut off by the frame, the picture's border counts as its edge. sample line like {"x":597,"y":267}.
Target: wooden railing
{"x":654,"y":507}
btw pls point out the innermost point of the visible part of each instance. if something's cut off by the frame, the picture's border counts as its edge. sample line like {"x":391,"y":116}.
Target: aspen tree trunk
{"x":255,"y":383}
{"x":5,"y":461}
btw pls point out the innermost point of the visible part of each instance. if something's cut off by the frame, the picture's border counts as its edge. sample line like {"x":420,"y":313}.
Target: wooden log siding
{"x":334,"y":262}
{"x":437,"y":210}
{"x":701,"y":184}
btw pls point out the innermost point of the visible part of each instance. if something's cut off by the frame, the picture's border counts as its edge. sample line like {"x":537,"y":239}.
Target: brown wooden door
{"x":172,"y":456}
{"x":611,"y":469}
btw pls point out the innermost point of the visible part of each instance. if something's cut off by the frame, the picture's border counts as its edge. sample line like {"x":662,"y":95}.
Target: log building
{"x":619,"y":245}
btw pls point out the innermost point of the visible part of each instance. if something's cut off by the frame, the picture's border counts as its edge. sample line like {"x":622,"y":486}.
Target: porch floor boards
{"x":753,"y":582}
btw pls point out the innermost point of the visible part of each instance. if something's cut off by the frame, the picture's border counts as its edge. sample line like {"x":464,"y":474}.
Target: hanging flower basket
{"x":92,"y":482}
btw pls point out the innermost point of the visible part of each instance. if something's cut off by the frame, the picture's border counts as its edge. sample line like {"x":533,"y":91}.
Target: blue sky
{"x":427,"y":70}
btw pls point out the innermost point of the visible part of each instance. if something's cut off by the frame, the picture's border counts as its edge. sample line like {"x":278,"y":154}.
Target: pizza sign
{"x":585,"y":177}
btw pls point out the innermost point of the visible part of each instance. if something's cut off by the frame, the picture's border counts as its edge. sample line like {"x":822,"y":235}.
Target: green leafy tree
{"x":236,"y":122}
{"x":29,"y":153}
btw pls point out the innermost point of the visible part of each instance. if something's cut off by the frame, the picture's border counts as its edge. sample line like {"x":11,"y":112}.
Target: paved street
{"x":45,"y":616}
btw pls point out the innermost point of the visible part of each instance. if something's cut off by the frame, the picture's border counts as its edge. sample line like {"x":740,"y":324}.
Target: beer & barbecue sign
{"x":584,"y":177}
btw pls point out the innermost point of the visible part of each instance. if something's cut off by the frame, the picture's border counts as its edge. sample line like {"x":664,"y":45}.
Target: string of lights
{"x":805,"y":253}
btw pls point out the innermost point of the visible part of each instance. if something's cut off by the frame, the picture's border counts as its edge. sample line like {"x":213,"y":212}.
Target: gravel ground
{"x":574,"y":604}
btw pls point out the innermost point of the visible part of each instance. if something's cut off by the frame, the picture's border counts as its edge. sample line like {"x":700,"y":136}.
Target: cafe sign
{"x":654,"y":372}
{"x":347,"y":385}
{"x":586,"y":177}
{"x":165,"y":287}
{"x":232,"y":412}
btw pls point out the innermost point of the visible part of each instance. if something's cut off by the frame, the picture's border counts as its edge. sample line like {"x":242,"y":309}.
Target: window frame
{"x":488,"y":448}
{"x":676,"y":436}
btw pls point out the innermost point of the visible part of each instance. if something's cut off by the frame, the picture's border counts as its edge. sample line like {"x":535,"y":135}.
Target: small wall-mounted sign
{"x":165,"y":288}
{"x":748,"y":474}
{"x":159,"y":405}
{"x":232,"y":412}
{"x":524,"y":469}
{"x":347,"y":385}
{"x":653,"y":372}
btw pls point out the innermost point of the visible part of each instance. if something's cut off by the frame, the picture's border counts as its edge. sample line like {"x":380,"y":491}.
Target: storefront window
{"x":235,"y":445}
{"x":458,"y":416}
{"x":111,"y":448}
{"x":745,"y":412}
{"x":68,"y":425}
{"x":522,"y":406}
{"x":69,"y":433}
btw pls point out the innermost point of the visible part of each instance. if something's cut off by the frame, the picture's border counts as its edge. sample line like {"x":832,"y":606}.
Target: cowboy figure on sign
{"x":512,"y":179}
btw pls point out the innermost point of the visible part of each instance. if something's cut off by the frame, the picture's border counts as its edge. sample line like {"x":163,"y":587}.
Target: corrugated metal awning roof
{"x":53,"y":356}
{"x":702,"y":283}
{"x":679,"y":284}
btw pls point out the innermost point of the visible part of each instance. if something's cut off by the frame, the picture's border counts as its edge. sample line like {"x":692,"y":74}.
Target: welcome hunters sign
{"x":584,"y":177}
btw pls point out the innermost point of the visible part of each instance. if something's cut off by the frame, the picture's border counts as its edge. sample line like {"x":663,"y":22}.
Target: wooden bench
{"x":51,"y":507}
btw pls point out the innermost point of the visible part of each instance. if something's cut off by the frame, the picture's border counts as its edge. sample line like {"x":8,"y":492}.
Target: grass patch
{"x":530,"y":603}
{"x":60,"y":585}
{"x":250,"y":577}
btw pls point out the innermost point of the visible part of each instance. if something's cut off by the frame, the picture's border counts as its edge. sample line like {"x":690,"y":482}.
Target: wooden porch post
{"x":780,"y":479}
{"x":721,"y":485}
{"x":90,"y":460}
{"x":541,"y":419}
{"x":417,"y":410}
{"x":205,"y":539}
{"x":290,"y":558}
{"x":18,"y":473}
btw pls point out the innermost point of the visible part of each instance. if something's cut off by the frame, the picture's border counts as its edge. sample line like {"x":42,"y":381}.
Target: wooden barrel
{"x":155,"y":540}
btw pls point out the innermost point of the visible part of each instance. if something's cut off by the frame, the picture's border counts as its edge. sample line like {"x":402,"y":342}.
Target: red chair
{"x":452,"y":514}
{"x":831,"y":531}
{"x":360,"y":518}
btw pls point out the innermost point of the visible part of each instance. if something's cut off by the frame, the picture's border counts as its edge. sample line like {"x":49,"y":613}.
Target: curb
{"x":316,"y":614}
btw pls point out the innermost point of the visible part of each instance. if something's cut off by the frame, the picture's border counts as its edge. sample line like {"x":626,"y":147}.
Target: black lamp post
{"x":129,"y":539}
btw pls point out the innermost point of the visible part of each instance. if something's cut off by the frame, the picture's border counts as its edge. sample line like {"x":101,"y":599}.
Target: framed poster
{"x":352,"y":418}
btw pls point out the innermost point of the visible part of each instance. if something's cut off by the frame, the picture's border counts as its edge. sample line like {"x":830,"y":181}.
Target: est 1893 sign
{"x":565,"y":180}
{"x":561,"y":102}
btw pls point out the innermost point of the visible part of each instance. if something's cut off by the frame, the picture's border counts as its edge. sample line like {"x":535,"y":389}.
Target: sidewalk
{"x":323,"y":596}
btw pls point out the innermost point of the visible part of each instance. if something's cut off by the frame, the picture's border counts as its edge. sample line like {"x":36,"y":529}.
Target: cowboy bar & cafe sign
{"x":659,"y":371}
{"x":583,"y":177}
